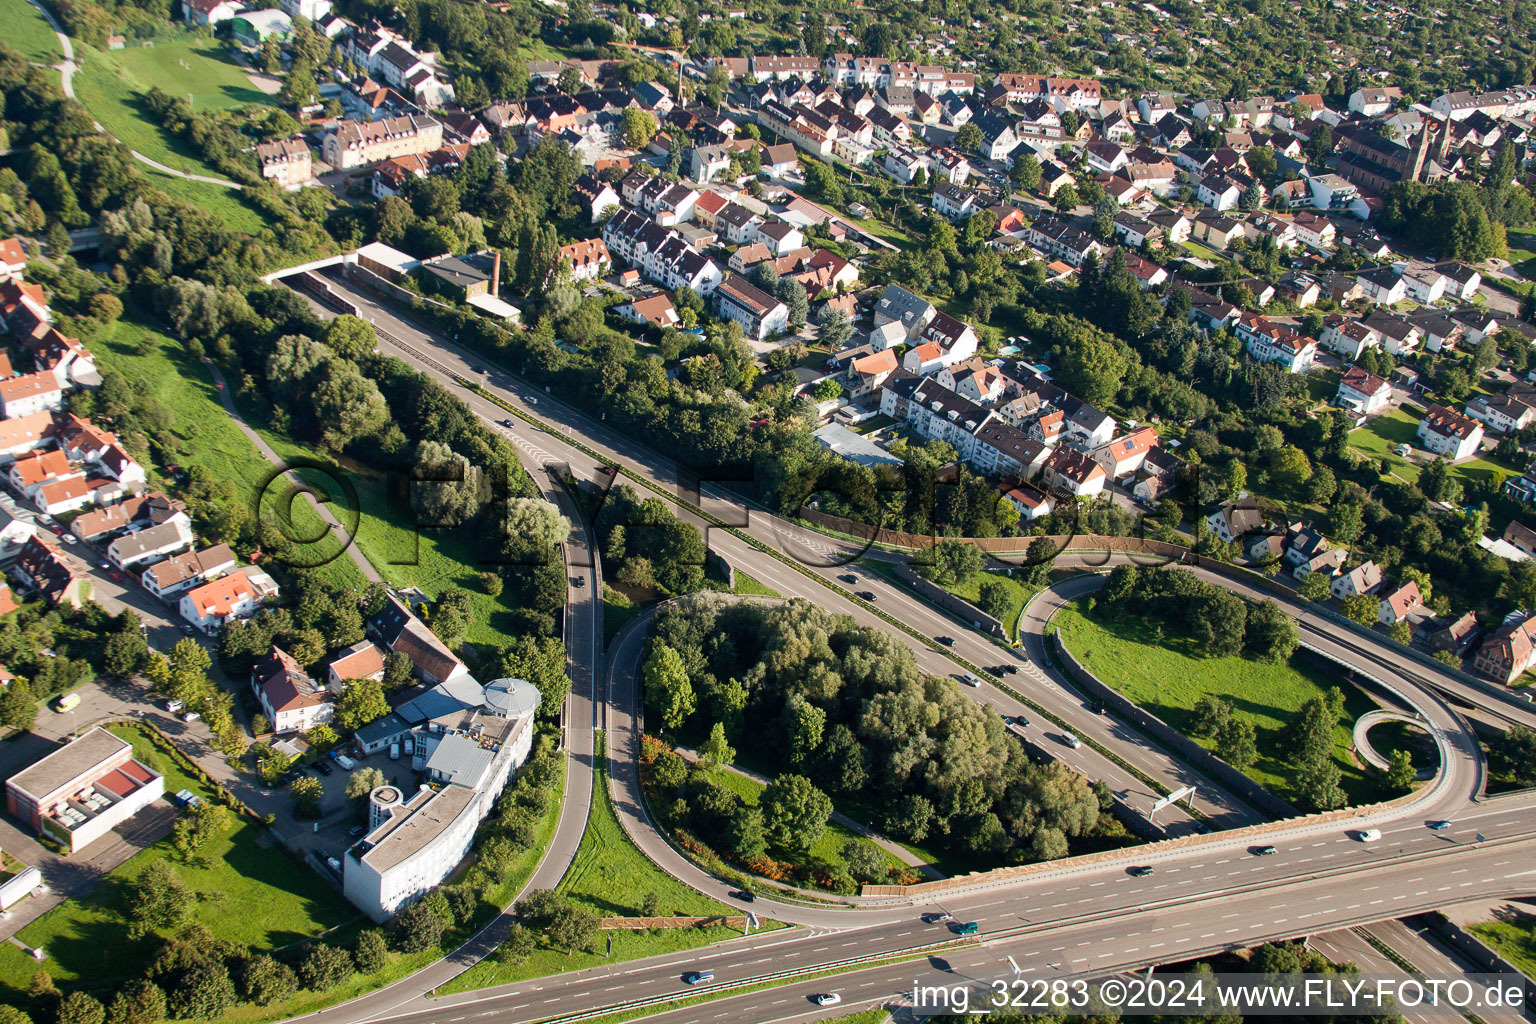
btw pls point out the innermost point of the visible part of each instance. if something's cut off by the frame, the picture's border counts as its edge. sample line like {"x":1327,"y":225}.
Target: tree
{"x":572,"y":927}
{"x":1270,"y":633}
{"x":1290,"y":470}
{"x":349,"y":336}
{"x":361,"y":702}
{"x":667,"y":687}
{"x":864,"y":861}
{"x":540,"y":661}
{"x":1237,"y":743}
{"x":571,"y":81}
{"x":836,"y":328}
{"x":324,"y":967}
{"x":18,"y":707}
{"x":1318,"y":784}
{"x":994,"y":598}
{"x":1039,"y":560}
{"x":1309,"y":734}
{"x":364,"y":781}
{"x":197,"y":826}
{"x":639,"y":127}
{"x":397,"y":669}
{"x":1361,"y":608}
{"x":1211,"y":715}
{"x":205,"y":992}
{"x":306,"y":793}
{"x":161,"y":900}
{"x":519,"y":946}
{"x":1252,"y":197}
{"x":418,"y":929}
{"x":372,"y":953}
{"x":1066,"y":199}
{"x":267,"y":980}
{"x":1314,"y":586}
{"x":1025,"y":172}
{"x":533,"y":527}
{"x":715,"y":750}
{"x":140,"y":1001}
{"x":792,"y":293}
{"x":953,"y":562}
{"x":1093,"y":368}
{"x":1400,"y":772}
{"x":298,"y":89}
{"x":795,"y":812}
{"x":1513,"y":755}
{"x":1219,"y":622}
{"x":804,"y":726}
{"x":81,"y":1008}
{"x":746,"y":836}
{"x":969,"y":138}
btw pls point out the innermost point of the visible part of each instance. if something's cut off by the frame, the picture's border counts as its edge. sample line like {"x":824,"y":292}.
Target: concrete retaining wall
{"x":935,"y":594}
{"x":1476,"y":950}
{"x":1193,"y":753}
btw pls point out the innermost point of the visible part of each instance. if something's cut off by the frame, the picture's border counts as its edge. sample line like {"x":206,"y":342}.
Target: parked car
{"x":323,"y":767}
{"x":346,"y":762}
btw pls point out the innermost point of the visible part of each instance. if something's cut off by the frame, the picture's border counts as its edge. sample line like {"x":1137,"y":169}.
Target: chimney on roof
{"x":496,"y":275}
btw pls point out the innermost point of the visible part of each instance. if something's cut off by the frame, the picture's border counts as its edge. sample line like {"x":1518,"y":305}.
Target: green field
{"x":1167,"y":675}
{"x":617,"y":610}
{"x":609,"y":877}
{"x":110,"y":83}
{"x":203,"y":433}
{"x":251,"y":893}
{"x":828,"y":847}
{"x":29,"y":33}
{"x":1018,"y":594}
{"x":750,"y":585}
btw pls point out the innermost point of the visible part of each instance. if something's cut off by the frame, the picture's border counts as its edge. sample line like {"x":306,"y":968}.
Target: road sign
{"x":1172,"y":798}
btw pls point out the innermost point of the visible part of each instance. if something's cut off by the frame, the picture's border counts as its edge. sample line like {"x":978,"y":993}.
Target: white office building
{"x":464,"y":754}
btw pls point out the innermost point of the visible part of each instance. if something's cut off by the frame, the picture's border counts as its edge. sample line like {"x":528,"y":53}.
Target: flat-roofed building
{"x":83,"y":790}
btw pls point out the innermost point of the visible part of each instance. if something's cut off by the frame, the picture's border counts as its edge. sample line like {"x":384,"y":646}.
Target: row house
{"x":1063,"y":93}
{"x":586,"y":260}
{"x":1270,"y":342}
{"x":668,"y":203}
{"x":805,"y":128}
{"x":1399,"y":335}
{"x":135,"y":512}
{"x":1349,"y":337}
{"x":1447,"y":432}
{"x":152,"y":544}
{"x":659,"y":253}
{"x":358,"y":143}
{"x":1061,"y":241}
{"x":187,"y":570}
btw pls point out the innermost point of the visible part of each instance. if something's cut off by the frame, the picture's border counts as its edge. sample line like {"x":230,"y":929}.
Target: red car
{"x":117,"y":577}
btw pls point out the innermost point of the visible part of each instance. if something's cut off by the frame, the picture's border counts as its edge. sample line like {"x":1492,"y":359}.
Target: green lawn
{"x":1167,"y":676}
{"x":750,"y":585}
{"x":1383,"y":433}
{"x":609,"y":877}
{"x":1515,"y":941}
{"x":29,"y":34}
{"x":110,"y":84}
{"x":1522,"y":253}
{"x":617,"y":610}
{"x":250,"y":893}
{"x":224,"y":203}
{"x":203,"y":433}
{"x":828,"y":848}
{"x":1018,"y":593}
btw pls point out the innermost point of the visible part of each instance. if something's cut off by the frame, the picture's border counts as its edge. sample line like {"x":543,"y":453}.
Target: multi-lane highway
{"x":1205,"y":894}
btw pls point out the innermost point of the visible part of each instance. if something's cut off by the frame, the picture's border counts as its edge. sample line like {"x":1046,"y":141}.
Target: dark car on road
{"x":1140,"y":871}
{"x":745,"y":895}
{"x":1263,"y":851}
{"x":947,"y":641}
{"x":865,"y":595}
{"x":848,"y":577}
{"x":935,"y":916}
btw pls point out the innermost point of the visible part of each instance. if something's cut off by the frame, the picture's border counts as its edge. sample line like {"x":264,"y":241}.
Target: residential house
{"x":1503,"y":414}
{"x":897,"y":305}
{"x":182,"y":572}
{"x":656,"y":310}
{"x":761,"y":315}
{"x":954,"y":202}
{"x":1363,"y":392}
{"x":44,"y":568}
{"x":362,"y":660}
{"x":32,"y":393}
{"x":1447,"y":432}
{"x":1383,"y":286}
{"x":1125,"y":455}
{"x":1270,"y":342}
{"x":151,"y":545}
{"x":587,"y":260}
{"x":285,"y":162}
{"x":291,"y":700}
{"x":1071,"y":472}
{"x":1397,"y":605}
{"x":1362,"y":579}
{"x":1508,"y":650}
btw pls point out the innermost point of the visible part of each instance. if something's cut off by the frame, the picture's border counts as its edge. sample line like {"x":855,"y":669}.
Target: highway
{"x":1207,"y":893}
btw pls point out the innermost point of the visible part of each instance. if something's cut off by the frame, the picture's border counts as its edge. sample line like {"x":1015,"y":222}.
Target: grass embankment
{"x":827,"y":848}
{"x":1515,"y":941}
{"x":28,"y":33}
{"x":199,"y":432}
{"x":249,"y":893}
{"x":112,"y":83}
{"x":1019,"y":594}
{"x":1167,"y":675}
{"x":610,"y":877}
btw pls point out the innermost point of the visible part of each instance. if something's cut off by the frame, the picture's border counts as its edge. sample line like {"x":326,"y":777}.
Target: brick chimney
{"x":496,"y":275}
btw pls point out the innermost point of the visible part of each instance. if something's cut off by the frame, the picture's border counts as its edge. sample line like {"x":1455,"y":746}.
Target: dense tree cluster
{"x":845,"y":710}
{"x":1220,"y":622}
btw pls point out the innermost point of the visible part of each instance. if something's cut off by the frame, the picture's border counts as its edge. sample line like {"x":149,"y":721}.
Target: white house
{"x":1447,"y":432}
{"x":1383,"y":286}
{"x":1363,"y":392}
{"x":291,"y":700}
{"x":236,"y":596}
